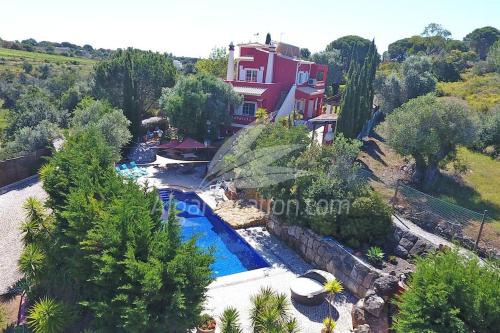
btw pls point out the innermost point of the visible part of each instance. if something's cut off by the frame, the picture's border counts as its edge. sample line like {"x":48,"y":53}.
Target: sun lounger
{"x":308,"y":289}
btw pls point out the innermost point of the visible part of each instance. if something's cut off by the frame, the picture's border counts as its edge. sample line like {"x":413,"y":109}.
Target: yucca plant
{"x":328,"y":325}
{"x":332,"y":287}
{"x":375,"y":255}
{"x":47,"y":316}
{"x":270,"y":312}
{"x":230,"y":321}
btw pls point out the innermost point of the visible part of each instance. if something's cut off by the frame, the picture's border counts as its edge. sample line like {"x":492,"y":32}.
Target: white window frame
{"x":240,"y":112}
{"x":254,"y":72}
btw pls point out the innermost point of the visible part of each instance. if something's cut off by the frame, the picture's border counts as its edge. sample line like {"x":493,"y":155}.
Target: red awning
{"x":170,"y":144}
{"x":189,"y":143}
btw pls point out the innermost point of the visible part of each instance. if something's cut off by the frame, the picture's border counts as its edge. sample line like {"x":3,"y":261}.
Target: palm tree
{"x":47,"y":316}
{"x":37,"y":223}
{"x":332,"y":287}
{"x":230,"y":321}
{"x":270,"y":313}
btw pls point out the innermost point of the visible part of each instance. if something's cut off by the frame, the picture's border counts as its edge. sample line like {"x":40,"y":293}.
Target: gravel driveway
{"x":11,"y":217}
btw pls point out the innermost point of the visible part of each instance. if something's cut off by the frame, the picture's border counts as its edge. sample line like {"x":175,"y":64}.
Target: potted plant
{"x":206,"y":324}
{"x":328,"y":325}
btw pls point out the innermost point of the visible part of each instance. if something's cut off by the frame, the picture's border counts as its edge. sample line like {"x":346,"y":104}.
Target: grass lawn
{"x":479,"y":186}
{"x":43,"y":57}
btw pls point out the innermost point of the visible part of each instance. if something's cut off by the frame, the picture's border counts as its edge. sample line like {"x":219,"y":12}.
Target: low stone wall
{"x":327,"y":254}
{"x":404,"y":243}
{"x":15,"y":169}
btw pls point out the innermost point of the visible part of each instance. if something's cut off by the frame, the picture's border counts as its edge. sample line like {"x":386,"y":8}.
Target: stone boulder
{"x":374,"y":305}
{"x":358,"y":314}
{"x":365,"y":328}
{"x":401,"y":252}
{"x":386,"y":286}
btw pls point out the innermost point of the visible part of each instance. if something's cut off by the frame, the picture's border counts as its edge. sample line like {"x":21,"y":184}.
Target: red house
{"x":273,"y":77}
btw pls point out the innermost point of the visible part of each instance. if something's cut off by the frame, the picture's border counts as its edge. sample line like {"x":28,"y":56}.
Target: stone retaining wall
{"x":327,"y":254}
{"x":404,"y":243}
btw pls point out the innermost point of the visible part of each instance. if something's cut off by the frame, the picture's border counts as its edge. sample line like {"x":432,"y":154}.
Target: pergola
{"x":322,"y":120}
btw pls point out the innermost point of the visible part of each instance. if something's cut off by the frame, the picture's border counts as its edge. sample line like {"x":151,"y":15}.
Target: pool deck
{"x":236,"y":290}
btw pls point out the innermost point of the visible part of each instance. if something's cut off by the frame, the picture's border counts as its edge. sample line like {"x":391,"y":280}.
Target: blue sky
{"x":193,"y":27}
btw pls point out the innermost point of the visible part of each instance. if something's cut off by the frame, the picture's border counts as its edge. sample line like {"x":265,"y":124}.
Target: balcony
{"x":244,"y":120}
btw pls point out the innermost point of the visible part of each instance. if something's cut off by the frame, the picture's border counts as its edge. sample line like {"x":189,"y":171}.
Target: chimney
{"x":270,"y":64}
{"x":230,"y":63}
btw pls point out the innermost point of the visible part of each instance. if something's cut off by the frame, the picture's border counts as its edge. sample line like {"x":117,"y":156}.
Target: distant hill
{"x":66,"y":49}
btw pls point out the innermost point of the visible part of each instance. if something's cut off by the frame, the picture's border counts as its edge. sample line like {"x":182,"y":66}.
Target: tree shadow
{"x":454,"y":190}
{"x":373,"y":150}
{"x":316,"y":313}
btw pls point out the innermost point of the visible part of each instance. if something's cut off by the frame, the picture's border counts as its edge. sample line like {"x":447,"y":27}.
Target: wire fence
{"x":471,"y":229}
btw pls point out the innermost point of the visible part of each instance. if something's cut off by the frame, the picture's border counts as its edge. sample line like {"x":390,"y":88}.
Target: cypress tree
{"x":358,"y":96}
{"x":268,"y":39}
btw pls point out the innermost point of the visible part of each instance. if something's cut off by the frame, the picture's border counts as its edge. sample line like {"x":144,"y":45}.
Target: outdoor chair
{"x":308,"y":289}
{"x":137,"y":169}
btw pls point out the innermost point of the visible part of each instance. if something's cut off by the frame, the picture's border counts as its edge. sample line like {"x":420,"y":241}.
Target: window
{"x":319,"y":76}
{"x":302,"y":77}
{"x":251,"y":75}
{"x":248,"y":109}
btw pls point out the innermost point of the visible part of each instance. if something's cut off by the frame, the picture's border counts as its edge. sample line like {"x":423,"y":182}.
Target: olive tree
{"x":429,"y":129}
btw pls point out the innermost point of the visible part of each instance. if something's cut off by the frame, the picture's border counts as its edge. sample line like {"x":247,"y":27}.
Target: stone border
{"x":327,"y":254}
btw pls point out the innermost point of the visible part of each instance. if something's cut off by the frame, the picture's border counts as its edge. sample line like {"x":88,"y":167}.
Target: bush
{"x":450,"y":293}
{"x":368,"y":222}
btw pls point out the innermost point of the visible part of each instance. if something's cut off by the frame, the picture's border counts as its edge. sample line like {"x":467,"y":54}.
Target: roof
{"x":189,"y":143}
{"x":170,"y":144}
{"x":324,"y":118}
{"x":311,"y":90}
{"x":252,"y":91}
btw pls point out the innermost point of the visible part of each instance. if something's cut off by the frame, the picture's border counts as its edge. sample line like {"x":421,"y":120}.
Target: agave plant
{"x":230,"y":321}
{"x":47,"y":316}
{"x":270,"y":312}
{"x":375,"y":254}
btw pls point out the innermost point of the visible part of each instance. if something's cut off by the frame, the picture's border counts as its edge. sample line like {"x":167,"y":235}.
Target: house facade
{"x":272,"y":77}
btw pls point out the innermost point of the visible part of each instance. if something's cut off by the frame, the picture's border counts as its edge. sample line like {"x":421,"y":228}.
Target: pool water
{"x":232,"y":253}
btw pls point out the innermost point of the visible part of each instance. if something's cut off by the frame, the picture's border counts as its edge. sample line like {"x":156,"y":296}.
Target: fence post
{"x":395,"y":194}
{"x":480,"y":230}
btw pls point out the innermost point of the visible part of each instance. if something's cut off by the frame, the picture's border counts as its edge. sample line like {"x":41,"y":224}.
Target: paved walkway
{"x":236,"y":290}
{"x":11,"y":217}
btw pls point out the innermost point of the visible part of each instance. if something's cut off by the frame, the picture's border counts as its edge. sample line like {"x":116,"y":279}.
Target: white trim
{"x":239,"y":110}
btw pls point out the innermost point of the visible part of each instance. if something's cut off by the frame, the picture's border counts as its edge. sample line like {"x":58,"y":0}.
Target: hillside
{"x":15,"y":61}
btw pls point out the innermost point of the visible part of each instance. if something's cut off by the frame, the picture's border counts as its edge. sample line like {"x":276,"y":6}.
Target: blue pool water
{"x":232,"y":253}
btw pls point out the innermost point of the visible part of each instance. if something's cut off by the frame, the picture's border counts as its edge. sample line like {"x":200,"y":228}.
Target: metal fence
{"x":441,"y":217}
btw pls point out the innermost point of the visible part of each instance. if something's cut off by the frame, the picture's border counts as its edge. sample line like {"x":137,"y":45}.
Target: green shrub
{"x":368,"y":221}
{"x":450,"y":293}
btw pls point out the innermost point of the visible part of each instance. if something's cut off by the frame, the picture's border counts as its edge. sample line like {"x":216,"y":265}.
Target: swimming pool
{"x":232,"y":253}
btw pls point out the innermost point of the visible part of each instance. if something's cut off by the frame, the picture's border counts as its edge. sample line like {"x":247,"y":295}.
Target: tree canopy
{"x":215,"y":65}
{"x":349,"y":46}
{"x":481,"y":39}
{"x":132,"y":80}
{"x":435,"y":29}
{"x":104,"y":253}
{"x":111,"y":122}
{"x":198,"y":105}
{"x":449,"y":292}
{"x":429,"y":130}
